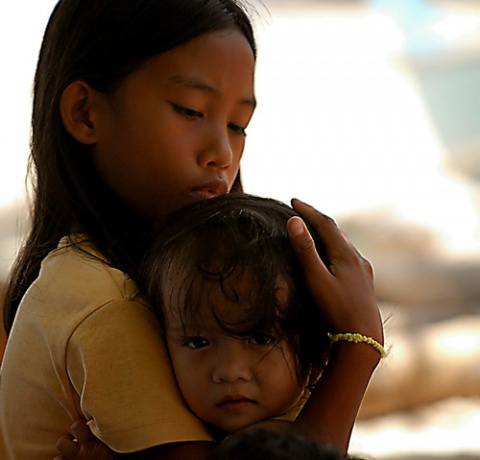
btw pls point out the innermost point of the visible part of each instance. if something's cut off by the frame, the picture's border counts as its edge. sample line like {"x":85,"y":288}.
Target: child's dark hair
{"x":258,"y":443}
{"x":100,"y":42}
{"x":207,"y":247}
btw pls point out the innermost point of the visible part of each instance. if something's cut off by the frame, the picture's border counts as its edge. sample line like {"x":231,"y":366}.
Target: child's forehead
{"x":239,"y":282}
{"x":200,"y":317}
{"x":230,"y":300}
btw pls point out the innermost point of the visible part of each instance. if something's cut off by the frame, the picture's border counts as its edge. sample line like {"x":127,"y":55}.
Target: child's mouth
{"x":236,"y":403}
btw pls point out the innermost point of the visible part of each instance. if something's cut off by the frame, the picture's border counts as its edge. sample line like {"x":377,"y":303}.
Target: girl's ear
{"x":79,"y":106}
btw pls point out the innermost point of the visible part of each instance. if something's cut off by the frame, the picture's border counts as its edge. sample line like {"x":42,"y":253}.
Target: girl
{"x":140,"y":108}
{"x":246,"y":340}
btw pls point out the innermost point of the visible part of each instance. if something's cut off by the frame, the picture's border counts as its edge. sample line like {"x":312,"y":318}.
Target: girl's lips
{"x":204,"y":194}
{"x":211,"y":189}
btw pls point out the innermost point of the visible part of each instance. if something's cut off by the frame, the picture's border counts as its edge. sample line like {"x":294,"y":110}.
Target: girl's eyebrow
{"x":196,"y":83}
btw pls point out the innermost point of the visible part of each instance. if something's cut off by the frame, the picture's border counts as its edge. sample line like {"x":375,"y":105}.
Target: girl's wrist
{"x":369,"y":326}
{"x":360,"y":355}
{"x":357,"y":338}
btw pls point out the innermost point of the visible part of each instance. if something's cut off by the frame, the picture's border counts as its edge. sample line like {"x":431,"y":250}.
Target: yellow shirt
{"x":83,"y":345}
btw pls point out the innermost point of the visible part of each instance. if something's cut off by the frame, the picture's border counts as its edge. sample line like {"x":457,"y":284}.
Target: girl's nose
{"x":217,"y":153}
{"x":231,"y":365}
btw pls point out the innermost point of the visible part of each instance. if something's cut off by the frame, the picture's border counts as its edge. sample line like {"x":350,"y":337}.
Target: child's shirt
{"x":84,"y":345}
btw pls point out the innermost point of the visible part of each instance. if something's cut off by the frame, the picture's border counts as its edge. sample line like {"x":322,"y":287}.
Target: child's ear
{"x":79,"y":111}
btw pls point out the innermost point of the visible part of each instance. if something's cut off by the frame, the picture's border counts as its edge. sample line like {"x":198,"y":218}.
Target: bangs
{"x":240,"y":290}
{"x":231,"y":256}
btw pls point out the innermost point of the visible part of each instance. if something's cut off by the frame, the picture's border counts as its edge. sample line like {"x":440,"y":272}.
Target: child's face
{"x":226,"y":381}
{"x":172,"y":132}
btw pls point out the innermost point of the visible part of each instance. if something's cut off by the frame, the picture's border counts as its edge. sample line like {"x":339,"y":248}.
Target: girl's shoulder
{"x":75,"y":291}
{"x":77,"y":264}
{"x":75,"y":280}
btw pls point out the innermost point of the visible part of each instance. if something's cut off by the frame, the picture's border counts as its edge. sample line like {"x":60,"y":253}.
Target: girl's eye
{"x":238,"y":129}
{"x":261,"y":339}
{"x":196,"y":342}
{"x":186,"y":112}
{"x":195,"y":114}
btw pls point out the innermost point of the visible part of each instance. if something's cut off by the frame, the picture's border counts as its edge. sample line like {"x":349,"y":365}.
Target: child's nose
{"x":231,"y":365}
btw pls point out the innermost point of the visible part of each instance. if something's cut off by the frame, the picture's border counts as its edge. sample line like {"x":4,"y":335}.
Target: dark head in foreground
{"x":258,"y":443}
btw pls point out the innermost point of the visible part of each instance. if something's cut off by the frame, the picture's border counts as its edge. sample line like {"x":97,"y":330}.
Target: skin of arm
{"x":345,"y":284}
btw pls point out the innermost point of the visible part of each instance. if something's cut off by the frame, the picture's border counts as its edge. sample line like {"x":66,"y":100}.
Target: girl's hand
{"x":343,"y":285}
{"x":85,"y":447}
{"x":343,"y":288}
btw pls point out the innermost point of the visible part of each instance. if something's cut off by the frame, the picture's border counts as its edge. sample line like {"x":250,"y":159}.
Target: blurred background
{"x":369,"y":110}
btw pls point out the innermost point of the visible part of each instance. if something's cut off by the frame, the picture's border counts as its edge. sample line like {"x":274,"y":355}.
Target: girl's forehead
{"x":202,"y":64}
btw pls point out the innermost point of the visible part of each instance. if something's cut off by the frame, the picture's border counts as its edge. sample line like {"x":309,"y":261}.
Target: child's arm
{"x":345,"y":291}
{"x":86,"y":446}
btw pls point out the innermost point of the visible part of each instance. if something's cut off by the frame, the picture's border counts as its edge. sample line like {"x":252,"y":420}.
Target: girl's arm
{"x":88,"y":447}
{"x":343,"y":287}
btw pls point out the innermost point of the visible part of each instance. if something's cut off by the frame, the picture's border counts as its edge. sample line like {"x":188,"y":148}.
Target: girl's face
{"x":173,"y":132}
{"x":230,"y":382}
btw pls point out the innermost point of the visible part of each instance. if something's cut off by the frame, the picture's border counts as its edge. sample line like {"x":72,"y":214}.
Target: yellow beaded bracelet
{"x":357,"y":338}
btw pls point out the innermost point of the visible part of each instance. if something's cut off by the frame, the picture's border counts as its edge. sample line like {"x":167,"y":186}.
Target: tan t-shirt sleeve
{"x":118,"y":365}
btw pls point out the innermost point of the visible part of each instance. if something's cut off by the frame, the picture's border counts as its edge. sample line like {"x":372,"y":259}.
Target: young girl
{"x":139,"y":109}
{"x":246,"y":340}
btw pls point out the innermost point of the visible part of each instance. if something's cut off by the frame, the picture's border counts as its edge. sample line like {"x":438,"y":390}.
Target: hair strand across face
{"x":232,"y":254}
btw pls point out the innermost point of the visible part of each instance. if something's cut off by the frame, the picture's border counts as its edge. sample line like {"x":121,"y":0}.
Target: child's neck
{"x":217,"y":433}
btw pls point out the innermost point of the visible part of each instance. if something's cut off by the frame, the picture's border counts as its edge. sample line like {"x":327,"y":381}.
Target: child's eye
{"x":238,"y":129}
{"x":261,"y":339}
{"x":186,"y":112}
{"x":196,"y":342}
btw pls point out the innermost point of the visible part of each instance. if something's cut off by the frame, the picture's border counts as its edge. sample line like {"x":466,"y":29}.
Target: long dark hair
{"x":100,"y":42}
{"x":208,"y":246}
